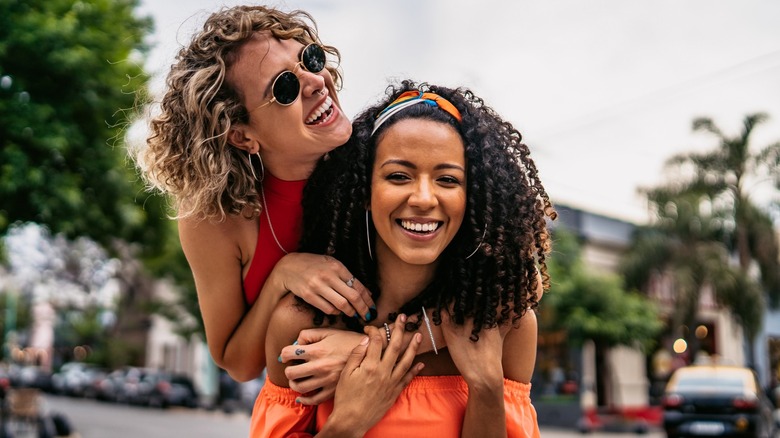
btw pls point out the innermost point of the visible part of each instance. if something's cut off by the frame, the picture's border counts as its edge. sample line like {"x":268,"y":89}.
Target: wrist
{"x":278,"y":275}
{"x":339,"y":427}
{"x":486,"y":386}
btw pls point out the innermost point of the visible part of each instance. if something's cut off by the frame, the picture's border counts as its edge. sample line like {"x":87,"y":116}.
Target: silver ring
{"x":350,"y":282}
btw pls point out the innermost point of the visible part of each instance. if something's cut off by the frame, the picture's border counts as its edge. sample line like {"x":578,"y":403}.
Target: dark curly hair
{"x":506,"y":203}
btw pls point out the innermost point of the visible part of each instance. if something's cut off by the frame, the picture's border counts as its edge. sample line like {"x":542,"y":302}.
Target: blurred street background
{"x":94,"y":420}
{"x":655,"y":127}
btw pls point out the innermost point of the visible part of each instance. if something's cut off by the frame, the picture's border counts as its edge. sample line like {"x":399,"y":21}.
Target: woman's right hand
{"x":322,"y":282}
{"x":371,"y":381}
{"x":319,"y":356}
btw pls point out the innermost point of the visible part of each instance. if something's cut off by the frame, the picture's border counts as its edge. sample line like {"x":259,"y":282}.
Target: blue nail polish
{"x":280,"y":359}
{"x":295,"y":343}
{"x":373,"y":306}
{"x":368,"y":316}
{"x":356,"y":315}
{"x":297,"y":400}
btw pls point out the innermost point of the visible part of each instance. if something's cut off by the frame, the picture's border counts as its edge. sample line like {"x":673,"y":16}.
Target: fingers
{"x":315,"y":399}
{"x":411,"y":350}
{"x":411,"y":374}
{"x":300,"y":371}
{"x":374,"y":351}
{"x":355,"y":300}
{"x":294,"y":352}
{"x":396,"y":339}
{"x":312,"y":336}
{"x":306,"y":386}
{"x":357,"y":356}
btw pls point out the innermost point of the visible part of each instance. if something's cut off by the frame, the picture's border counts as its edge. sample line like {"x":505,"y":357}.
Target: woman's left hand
{"x":324,"y":353}
{"x":478,"y":362}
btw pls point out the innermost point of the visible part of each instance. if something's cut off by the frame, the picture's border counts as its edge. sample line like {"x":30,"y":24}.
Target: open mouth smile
{"x":419,"y":227}
{"x":322,"y":113}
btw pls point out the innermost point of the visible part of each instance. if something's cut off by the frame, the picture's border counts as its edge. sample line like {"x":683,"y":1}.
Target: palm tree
{"x":684,"y":244}
{"x":724,"y":176}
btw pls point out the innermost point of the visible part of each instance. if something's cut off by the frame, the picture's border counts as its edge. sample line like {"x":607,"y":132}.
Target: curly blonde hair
{"x":187,"y":154}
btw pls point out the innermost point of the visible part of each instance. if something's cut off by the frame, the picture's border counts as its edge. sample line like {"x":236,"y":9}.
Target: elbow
{"x":242,"y":375}
{"x":240,"y":371}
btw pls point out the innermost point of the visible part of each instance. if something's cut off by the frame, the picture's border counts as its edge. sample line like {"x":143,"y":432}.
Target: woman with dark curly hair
{"x":251,"y":106}
{"x":436,"y":204}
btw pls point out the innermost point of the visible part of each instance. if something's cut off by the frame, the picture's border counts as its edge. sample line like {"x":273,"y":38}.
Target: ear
{"x":239,"y":137}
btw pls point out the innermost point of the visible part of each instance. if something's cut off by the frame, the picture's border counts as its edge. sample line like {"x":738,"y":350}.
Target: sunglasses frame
{"x":301,"y":62}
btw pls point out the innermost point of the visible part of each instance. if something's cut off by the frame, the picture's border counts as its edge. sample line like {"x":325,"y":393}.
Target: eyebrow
{"x":411,"y":165}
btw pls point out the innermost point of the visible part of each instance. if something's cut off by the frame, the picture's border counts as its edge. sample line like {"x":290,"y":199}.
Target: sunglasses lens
{"x":286,"y":88}
{"x":313,"y":58}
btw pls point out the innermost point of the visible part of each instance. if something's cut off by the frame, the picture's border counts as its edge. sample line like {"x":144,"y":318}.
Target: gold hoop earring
{"x":262,"y":168}
{"x":252,"y":168}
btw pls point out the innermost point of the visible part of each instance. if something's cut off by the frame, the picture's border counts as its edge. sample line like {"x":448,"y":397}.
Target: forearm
{"x":485,"y":415}
{"x":244,"y":356}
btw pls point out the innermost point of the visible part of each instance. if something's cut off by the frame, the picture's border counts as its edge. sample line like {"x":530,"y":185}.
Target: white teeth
{"x":414,"y":226}
{"x":320,"y":110}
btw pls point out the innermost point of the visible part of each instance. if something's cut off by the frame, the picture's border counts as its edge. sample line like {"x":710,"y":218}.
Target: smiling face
{"x":290,"y":138}
{"x":418,"y":191}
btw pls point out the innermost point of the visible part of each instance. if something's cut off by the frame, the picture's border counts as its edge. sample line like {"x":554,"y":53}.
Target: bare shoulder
{"x":519,"y":355}
{"x":234,"y":236}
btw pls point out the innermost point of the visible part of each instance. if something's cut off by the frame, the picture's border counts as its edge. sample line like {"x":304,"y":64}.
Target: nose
{"x":311,"y":83}
{"x":424,"y":195}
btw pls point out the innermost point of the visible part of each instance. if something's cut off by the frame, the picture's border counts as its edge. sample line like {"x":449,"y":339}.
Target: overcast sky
{"x":604,"y":91}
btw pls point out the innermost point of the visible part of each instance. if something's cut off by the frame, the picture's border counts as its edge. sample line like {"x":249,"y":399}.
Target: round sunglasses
{"x":286,"y":86}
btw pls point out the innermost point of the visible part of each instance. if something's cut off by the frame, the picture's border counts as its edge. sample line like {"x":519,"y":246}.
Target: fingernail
{"x":368,"y":316}
{"x":373,"y":306}
{"x":364,"y":341}
{"x":297,"y":400}
{"x":280,"y":359}
{"x":402,"y":317}
{"x":295,"y":343}
{"x":356,"y":315}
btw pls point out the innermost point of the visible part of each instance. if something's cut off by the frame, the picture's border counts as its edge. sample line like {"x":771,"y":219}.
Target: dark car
{"x":164,"y":389}
{"x":716,"y":400}
{"x":109,"y":387}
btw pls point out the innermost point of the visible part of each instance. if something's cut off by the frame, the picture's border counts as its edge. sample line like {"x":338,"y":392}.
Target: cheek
{"x":458,"y":211}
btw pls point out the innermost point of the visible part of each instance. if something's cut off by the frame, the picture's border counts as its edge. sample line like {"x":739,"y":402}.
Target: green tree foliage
{"x":592,"y":306}
{"x":69,"y":74}
{"x":685,"y":243}
{"x":723,"y":180}
{"x":70,"y":80}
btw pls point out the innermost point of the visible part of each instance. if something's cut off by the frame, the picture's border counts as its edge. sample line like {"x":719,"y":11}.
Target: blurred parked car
{"x":163,"y":389}
{"x":109,"y":386}
{"x":130,"y":386}
{"x":76,"y":378}
{"x":29,"y":376}
{"x":716,"y":400}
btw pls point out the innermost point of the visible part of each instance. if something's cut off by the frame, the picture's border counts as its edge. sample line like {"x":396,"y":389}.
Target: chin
{"x":415,"y":258}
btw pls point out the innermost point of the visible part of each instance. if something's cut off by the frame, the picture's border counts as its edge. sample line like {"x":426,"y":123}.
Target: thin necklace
{"x":268,"y":216}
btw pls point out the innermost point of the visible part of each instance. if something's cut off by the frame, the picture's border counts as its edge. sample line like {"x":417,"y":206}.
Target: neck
{"x":395,"y":292}
{"x":289,"y":168}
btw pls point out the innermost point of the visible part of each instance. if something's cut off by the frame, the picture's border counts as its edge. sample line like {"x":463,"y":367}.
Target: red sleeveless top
{"x":284,"y":206}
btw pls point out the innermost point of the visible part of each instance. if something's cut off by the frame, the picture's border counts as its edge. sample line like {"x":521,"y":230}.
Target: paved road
{"x":92,"y":419}
{"x":548,"y":432}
